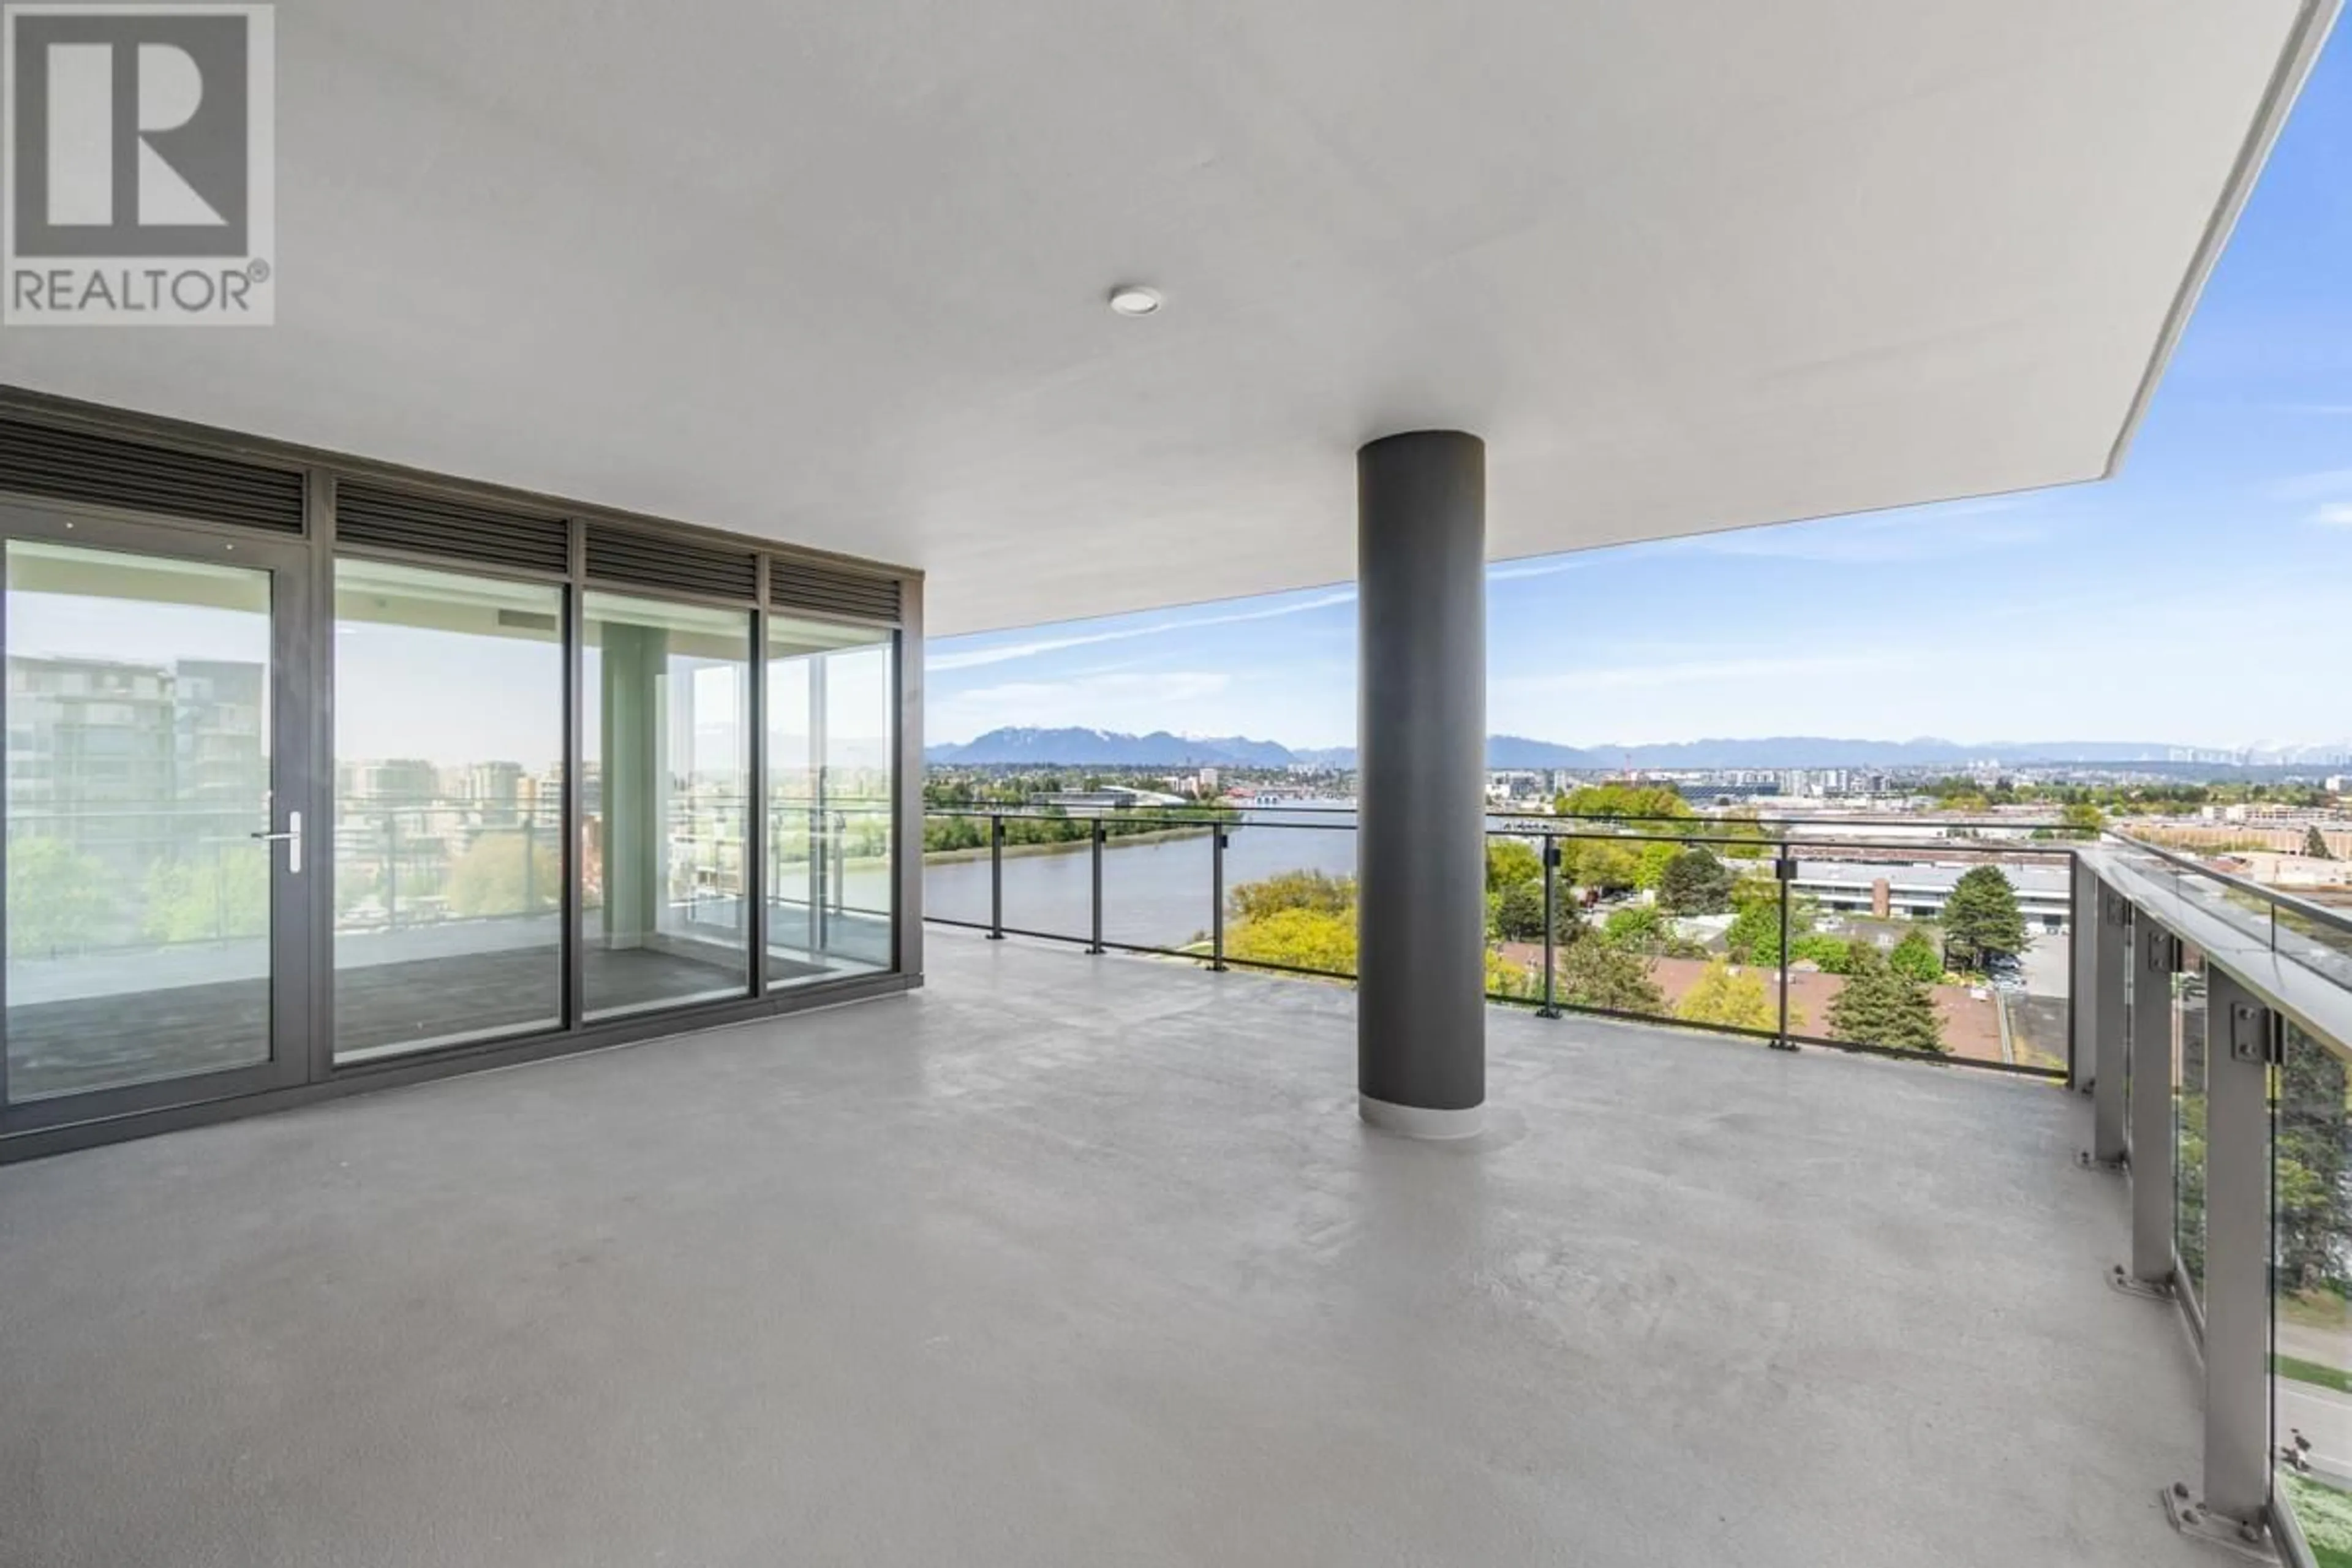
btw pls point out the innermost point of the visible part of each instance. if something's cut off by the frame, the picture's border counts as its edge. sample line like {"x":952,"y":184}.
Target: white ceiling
{"x":833,"y":272}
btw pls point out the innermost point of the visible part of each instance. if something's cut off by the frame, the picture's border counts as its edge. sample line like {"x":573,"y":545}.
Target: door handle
{"x":292,"y":838}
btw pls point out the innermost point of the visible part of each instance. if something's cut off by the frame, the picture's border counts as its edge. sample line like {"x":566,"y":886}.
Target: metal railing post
{"x":2241,"y":1046}
{"x":1217,"y":899}
{"x":2111,"y":1043}
{"x":1095,"y":942}
{"x":995,"y":877}
{"x":2156,"y":959}
{"x":1550,"y":1008}
{"x":1784,"y":870}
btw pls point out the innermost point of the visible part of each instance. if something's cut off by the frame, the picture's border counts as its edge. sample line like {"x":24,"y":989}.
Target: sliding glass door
{"x":832,"y":745}
{"x":665,"y":804}
{"x":289,"y":801}
{"x":448,"y":861}
{"x":157,"y":862}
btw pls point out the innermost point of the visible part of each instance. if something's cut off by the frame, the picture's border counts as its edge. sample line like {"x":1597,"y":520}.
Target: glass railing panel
{"x":1049,"y":874}
{"x":955,"y":867}
{"x":1959,"y":952}
{"x":448,"y":922}
{"x":1290,"y":890}
{"x":1158,"y":874}
{"x":2188,"y":1047}
{"x":2318,"y":939}
{"x":829,"y":889}
{"x":2311,"y":1388}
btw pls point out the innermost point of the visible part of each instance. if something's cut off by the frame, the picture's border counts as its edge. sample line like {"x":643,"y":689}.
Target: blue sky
{"x":2203,"y":597}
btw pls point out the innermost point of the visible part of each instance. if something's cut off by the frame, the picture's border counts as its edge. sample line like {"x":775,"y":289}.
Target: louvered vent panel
{"x":622,"y":555}
{"x":373,"y":515}
{"x":826,"y":591}
{"x":108,"y":470}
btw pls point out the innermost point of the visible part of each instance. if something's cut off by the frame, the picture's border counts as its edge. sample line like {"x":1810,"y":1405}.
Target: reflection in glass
{"x":831,"y":720}
{"x":2311,"y":1231}
{"x":448,"y":843}
{"x":2188,"y":1120}
{"x":665,"y":739}
{"x":137,"y":751}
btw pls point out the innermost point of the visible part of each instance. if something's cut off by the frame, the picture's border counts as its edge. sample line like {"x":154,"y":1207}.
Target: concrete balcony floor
{"x":1087,"y":1261}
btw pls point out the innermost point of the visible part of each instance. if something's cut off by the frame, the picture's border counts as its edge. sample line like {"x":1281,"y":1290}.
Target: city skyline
{"x":2198,"y":598}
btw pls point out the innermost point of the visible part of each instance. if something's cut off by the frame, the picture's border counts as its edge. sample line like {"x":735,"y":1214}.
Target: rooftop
{"x":1072,"y":1259}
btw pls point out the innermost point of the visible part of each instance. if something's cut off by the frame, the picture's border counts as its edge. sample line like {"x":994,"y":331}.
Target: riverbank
{"x":1068,"y":845}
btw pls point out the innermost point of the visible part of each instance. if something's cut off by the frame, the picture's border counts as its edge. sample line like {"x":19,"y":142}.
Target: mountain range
{"x":1020,"y":746}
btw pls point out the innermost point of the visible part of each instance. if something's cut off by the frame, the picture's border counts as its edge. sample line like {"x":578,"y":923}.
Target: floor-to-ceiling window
{"x":832,"y":697}
{"x":448,"y":825}
{"x":665,"y":790}
{"x":139,"y":791}
{"x":314,"y":771}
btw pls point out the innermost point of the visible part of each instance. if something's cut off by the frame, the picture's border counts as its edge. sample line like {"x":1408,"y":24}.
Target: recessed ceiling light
{"x":1134,"y":299}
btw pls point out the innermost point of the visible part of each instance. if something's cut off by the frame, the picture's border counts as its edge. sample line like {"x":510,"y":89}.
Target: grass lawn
{"x":2326,"y":1514}
{"x":2312,"y":1372}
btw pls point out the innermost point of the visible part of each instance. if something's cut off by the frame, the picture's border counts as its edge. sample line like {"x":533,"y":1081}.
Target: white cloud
{"x":1521,"y":571}
{"x":1003,"y":653}
{"x":2336,"y":514}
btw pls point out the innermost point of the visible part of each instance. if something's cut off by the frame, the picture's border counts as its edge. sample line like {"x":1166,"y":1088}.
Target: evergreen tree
{"x":1694,"y":883}
{"x":1878,"y":1006}
{"x":2315,"y":844}
{"x":1981,"y":919}
{"x":1597,"y":973}
{"x":1518,"y":913}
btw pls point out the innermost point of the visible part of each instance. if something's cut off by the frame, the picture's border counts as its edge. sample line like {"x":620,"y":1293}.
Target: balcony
{"x":1068,"y":1259}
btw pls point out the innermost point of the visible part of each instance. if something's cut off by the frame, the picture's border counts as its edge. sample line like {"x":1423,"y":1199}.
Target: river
{"x":1154,"y":894}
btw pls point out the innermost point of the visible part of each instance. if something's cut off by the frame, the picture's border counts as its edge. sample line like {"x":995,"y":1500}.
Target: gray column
{"x":1421,"y":533}
{"x":2236,"y":1294}
{"x":2082,"y":926}
{"x":2155,"y":958}
{"x":2110,"y":966}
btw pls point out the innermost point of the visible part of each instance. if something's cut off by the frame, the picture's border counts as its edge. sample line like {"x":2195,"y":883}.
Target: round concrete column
{"x":1421,"y":1031}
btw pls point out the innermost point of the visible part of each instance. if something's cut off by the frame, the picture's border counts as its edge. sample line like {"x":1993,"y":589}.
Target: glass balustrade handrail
{"x":1985,"y":1019}
{"x":2275,"y":897}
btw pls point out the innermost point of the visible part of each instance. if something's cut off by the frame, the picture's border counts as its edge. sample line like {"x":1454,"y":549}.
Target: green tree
{"x":1981,"y":920}
{"x":494,"y":876}
{"x":1644,"y":928}
{"x":1298,"y":937}
{"x":2313,"y":1132}
{"x":58,"y":898}
{"x":2082,"y":820}
{"x":1754,"y":934}
{"x":1633,"y":803}
{"x":1518,"y":914}
{"x":2315,"y":844}
{"x":1510,"y":861}
{"x":1877,"y":1006}
{"x":212,"y":898}
{"x":1916,"y":956}
{"x":1603,"y":865}
{"x":1694,"y":883}
{"x":1317,"y":892}
{"x":1596,"y":973}
{"x":1830,"y":954}
{"x":1743,"y":834}
{"x":1734,"y":998}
